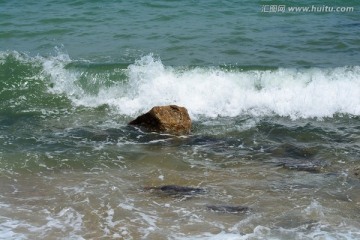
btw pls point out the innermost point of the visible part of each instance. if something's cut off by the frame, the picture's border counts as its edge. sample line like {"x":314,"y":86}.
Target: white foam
{"x":64,"y":80}
{"x":7,"y":229}
{"x":67,"y":221}
{"x":314,"y":210}
{"x":212,"y":92}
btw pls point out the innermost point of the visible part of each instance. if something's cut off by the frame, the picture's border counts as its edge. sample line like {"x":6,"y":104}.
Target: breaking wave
{"x":130,"y":89}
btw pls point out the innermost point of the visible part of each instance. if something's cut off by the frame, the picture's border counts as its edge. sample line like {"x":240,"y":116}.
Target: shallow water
{"x":96,"y":186}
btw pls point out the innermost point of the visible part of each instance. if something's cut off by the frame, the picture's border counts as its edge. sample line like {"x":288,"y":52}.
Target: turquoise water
{"x":274,"y":99}
{"x":186,"y":33}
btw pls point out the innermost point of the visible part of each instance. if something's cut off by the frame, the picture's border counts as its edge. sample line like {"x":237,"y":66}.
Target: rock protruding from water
{"x":170,"y":119}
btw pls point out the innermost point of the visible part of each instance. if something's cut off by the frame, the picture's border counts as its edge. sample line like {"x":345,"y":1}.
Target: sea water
{"x":273,"y":95}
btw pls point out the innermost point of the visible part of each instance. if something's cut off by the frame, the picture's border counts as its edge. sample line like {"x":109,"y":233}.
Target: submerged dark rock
{"x":170,"y":119}
{"x":176,"y":190}
{"x":356,"y":172}
{"x":228,"y":208}
{"x":306,"y":167}
{"x":298,"y":152}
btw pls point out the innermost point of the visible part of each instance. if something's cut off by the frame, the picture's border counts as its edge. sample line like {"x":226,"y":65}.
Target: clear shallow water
{"x":274,"y":130}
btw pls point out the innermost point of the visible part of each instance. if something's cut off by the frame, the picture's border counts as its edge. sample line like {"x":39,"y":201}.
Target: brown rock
{"x":171,"y":119}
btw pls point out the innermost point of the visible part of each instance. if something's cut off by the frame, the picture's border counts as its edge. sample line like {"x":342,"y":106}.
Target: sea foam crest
{"x":213,"y":92}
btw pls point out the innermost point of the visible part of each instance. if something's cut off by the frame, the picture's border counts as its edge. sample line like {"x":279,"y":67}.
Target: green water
{"x":190,"y":32}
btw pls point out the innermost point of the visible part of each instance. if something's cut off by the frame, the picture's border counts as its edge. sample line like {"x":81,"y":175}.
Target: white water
{"x":212,"y":92}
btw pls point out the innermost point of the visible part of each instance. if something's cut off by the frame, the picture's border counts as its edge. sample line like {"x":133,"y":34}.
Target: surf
{"x":210,"y":92}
